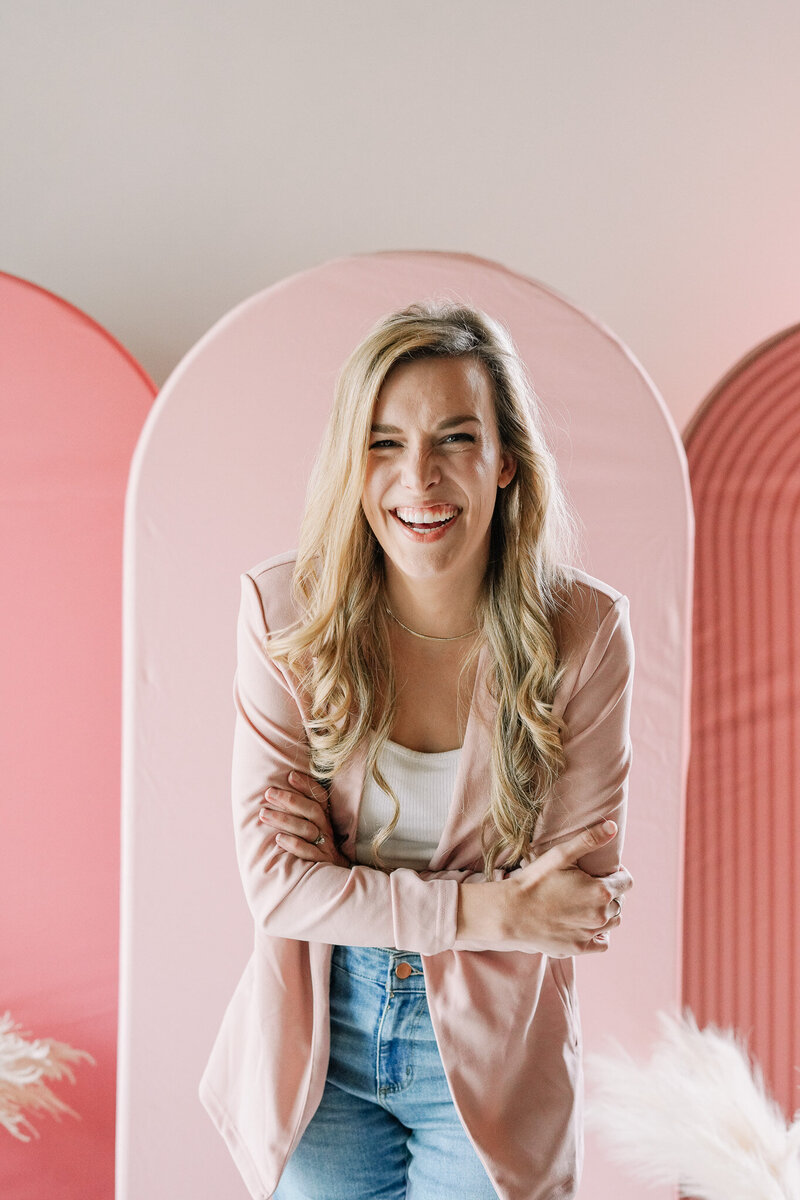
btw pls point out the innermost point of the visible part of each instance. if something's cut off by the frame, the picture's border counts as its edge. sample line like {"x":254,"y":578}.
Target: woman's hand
{"x":302,"y":817}
{"x":549,"y":906}
{"x":561,"y":908}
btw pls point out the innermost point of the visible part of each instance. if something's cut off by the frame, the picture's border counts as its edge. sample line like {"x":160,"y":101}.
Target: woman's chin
{"x":430,"y":565}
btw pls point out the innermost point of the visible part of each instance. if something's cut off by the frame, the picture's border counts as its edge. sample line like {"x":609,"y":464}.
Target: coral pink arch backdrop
{"x":73,"y":404}
{"x":742,"y":947}
{"x":217,"y":485}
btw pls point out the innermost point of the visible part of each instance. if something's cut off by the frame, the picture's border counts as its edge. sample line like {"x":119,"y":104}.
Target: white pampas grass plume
{"x":24,"y":1066}
{"x":696,"y":1116}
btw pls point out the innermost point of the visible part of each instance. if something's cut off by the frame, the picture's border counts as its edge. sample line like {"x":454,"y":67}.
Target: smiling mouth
{"x":425,"y":520}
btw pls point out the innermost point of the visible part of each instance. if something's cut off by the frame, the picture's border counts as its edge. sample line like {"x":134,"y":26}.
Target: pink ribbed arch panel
{"x":742,"y":906}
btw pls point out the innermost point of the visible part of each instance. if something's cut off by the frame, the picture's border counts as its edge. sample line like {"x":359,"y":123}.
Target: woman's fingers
{"x":308,"y":786}
{"x":616,"y":885}
{"x":300,"y":820}
{"x":326,"y":852}
{"x":294,"y":814}
{"x":618,"y":882}
{"x":305,"y":798}
{"x":294,"y":803}
{"x":591,"y":838}
{"x":302,"y":848}
{"x":286,"y":823}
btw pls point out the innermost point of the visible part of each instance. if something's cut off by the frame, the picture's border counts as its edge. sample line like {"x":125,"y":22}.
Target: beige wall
{"x":165,"y":159}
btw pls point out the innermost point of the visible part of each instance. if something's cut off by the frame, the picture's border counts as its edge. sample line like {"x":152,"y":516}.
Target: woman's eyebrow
{"x":448,"y":424}
{"x":451,"y":421}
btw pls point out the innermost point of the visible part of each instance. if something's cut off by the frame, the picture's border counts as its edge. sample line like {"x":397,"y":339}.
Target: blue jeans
{"x":386,"y":1127}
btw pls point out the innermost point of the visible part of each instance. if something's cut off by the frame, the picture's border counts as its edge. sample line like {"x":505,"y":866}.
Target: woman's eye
{"x":450,"y":439}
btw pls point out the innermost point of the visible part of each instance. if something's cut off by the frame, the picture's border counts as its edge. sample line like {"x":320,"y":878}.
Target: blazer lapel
{"x":346,"y":789}
{"x":460,"y":843}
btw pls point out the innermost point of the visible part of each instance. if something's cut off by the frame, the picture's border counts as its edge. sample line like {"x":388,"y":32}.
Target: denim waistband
{"x":379,"y":964}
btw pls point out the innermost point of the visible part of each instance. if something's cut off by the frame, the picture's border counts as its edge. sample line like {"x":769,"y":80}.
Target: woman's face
{"x":433,"y":469}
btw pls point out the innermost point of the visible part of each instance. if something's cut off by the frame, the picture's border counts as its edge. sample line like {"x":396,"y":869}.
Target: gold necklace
{"x":426,"y":636}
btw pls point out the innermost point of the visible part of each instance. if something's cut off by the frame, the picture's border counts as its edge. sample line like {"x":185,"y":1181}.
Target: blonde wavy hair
{"x":340,"y":647}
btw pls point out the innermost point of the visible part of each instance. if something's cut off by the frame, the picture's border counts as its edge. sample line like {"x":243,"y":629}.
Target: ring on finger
{"x":618,"y":903}
{"x":319,"y":840}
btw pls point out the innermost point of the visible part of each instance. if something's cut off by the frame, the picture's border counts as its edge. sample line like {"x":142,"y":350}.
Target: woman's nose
{"x":420,"y":469}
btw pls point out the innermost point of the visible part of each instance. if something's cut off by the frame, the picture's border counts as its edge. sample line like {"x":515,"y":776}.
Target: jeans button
{"x":403,"y":970}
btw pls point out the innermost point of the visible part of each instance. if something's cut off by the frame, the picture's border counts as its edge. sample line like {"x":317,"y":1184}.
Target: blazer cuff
{"x":418,"y":907}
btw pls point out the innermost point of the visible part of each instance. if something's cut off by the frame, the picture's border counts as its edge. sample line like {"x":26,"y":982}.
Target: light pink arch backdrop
{"x":218,"y":484}
{"x":72,"y":405}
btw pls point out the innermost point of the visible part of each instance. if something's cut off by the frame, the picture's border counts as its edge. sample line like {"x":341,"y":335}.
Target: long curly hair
{"x":340,"y":648}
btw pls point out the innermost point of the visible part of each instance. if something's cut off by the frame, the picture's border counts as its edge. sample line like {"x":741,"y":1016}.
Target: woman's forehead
{"x":434,"y":389}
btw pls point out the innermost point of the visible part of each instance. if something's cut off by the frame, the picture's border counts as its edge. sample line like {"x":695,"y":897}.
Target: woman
{"x":429,"y":783}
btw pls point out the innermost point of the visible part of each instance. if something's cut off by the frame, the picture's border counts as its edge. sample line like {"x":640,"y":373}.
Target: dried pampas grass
{"x":697,"y":1115}
{"x":24,"y":1067}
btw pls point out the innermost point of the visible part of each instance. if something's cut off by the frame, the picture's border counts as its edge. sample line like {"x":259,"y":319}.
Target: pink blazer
{"x":506,"y":1022}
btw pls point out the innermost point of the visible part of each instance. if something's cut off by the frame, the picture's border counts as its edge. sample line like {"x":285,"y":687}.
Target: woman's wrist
{"x":484,"y":915}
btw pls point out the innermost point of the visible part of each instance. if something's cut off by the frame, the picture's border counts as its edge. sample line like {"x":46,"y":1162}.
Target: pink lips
{"x":440,"y":518}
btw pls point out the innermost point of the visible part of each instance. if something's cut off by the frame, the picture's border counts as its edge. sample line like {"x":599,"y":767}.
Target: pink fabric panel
{"x":73,"y":404}
{"x":217,"y":485}
{"x":742,"y":947}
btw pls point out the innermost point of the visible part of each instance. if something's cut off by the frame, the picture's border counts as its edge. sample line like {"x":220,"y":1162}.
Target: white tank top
{"x":424,"y":785}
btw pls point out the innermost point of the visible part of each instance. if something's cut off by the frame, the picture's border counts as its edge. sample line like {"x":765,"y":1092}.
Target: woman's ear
{"x":509,"y":469}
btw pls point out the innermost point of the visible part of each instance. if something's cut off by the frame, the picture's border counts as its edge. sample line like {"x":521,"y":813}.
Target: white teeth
{"x":426,"y":516}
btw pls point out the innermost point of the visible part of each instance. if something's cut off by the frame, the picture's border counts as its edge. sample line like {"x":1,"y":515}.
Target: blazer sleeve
{"x":288,"y":897}
{"x":597,"y":746}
